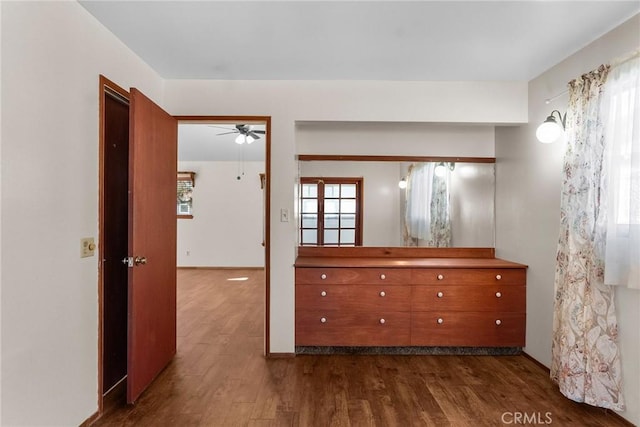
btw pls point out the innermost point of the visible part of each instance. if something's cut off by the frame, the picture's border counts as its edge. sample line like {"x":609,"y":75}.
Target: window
{"x":331,"y":211}
{"x":186,"y":183}
{"x":621,"y":117}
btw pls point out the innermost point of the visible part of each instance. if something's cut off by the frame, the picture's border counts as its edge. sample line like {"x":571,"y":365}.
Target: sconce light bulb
{"x":548,"y":132}
{"x":440,"y":170}
{"x":403,"y":183}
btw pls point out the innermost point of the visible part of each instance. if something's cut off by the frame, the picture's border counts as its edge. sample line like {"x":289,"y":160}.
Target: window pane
{"x":348,"y":237}
{"x":348,"y":206}
{"x":332,"y":190}
{"x":331,"y":221}
{"x":331,"y":206}
{"x":348,"y":190}
{"x":348,"y":221}
{"x":309,"y":190}
{"x":330,"y":237}
{"x":309,"y":206}
{"x":309,"y":237}
{"x":309,"y":221}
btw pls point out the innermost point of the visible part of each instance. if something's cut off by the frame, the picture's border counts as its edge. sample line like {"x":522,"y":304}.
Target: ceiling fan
{"x":245,"y":133}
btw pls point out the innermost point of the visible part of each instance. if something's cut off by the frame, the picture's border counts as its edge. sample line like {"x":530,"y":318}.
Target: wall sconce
{"x":550,"y":130}
{"x":403,"y":183}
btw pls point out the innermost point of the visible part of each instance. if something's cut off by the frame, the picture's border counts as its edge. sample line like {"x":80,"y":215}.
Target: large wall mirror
{"x":447,"y":202}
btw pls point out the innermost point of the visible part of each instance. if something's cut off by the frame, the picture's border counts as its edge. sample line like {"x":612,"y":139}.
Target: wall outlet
{"x":87,"y":247}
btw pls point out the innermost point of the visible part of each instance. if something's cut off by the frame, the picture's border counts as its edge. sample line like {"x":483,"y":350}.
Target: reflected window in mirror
{"x":330,"y":211}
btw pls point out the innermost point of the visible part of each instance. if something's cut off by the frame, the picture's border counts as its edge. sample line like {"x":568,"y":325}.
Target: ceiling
{"x":357,"y":40}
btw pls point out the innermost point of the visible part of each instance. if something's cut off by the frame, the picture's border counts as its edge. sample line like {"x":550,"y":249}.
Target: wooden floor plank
{"x":220,"y":377}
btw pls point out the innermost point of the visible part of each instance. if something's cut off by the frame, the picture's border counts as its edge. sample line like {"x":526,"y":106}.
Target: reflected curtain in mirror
{"x":427,"y":220}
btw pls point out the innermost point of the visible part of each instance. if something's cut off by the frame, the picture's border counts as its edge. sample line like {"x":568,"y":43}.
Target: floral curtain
{"x":427,"y":217}
{"x":585,"y":357}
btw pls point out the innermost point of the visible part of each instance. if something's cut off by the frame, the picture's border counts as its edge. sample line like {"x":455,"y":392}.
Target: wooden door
{"x":152,"y":242}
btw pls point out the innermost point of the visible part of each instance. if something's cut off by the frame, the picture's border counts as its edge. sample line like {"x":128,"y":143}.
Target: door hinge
{"x":128,"y":261}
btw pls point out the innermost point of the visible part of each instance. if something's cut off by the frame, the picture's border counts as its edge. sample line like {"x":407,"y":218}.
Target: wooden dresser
{"x":436,"y":297}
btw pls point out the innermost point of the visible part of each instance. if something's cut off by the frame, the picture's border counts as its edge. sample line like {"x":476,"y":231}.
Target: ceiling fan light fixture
{"x":241,"y":139}
{"x":249,"y":139}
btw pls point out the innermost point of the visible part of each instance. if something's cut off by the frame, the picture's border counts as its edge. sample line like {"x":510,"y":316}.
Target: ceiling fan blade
{"x":222,"y":127}
{"x":226,"y":133}
{"x":259,"y":131}
{"x":253,"y":135}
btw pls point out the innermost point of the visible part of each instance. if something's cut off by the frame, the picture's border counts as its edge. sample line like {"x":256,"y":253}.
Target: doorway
{"x":114,"y":241}
{"x":229,"y":130}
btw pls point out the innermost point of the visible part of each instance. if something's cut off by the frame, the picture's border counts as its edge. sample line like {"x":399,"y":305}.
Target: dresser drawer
{"x":468,"y":329}
{"x":353,"y":297}
{"x":390,"y":276}
{"x":352,"y":328}
{"x":469,"y":276}
{"x":500,"y":298}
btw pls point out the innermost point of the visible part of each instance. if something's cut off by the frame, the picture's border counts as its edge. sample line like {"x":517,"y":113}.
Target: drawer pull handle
{"x":440,"y":277}
{"x":498,"y":294}
{"x":440,"y":320}
{"x":382,"y":293}
{"x":323,"y":276}
{"x":498,"y":277}
{"x":382,"y":321}
{"x":440,"y":294}
{"x":323,"y":293}
{"x":383,"y":276}
{"x":323,"y":320}
{"x":498,"y":322}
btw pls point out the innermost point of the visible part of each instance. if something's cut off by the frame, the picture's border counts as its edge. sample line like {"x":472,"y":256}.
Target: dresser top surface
{"x":398,"y":262}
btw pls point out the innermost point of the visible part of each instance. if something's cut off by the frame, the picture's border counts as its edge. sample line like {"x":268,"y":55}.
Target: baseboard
{"x":92,"y":419}
{"x":609,"y":412}
{"x":528,"y":356}
{"x":280,"y":355}
{"x":218,"y":268}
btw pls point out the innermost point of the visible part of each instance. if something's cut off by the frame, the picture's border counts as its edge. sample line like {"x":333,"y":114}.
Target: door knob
{"x":140,"y":260}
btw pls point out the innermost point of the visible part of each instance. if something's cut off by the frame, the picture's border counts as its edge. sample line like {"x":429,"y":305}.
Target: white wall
{"x":52,"y":54}
{"x":289,"y":102}
{"x":227,"y":225}
{"x":529,"y":177}
{"x":395,"y":138}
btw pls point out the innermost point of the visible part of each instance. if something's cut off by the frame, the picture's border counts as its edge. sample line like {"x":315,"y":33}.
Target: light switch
{"x":87,"y":247}
{"x":284,"y":215}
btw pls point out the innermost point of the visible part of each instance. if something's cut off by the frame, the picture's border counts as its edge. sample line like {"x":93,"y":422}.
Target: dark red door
{"x":151,"y":338}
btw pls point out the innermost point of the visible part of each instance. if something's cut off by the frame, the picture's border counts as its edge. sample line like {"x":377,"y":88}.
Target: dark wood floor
{"x":221,"y":378}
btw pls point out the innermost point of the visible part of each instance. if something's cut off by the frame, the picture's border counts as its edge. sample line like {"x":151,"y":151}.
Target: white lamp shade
{"x":548,"y":132}
{"x":440,"y":171}
{"x":249,"y":139}
{"x":240,"y":139}
{"x":403,"y":183}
